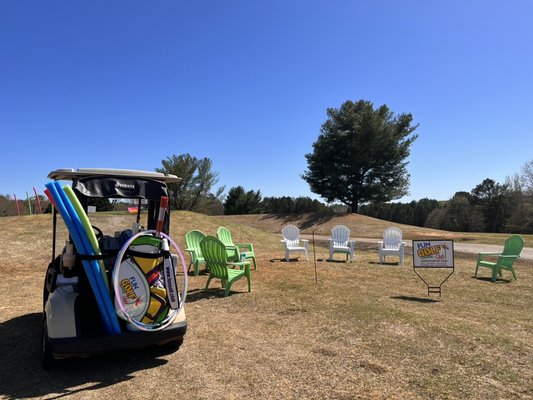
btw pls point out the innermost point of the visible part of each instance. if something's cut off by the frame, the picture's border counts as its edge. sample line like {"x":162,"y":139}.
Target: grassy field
{"x":363,"y":331}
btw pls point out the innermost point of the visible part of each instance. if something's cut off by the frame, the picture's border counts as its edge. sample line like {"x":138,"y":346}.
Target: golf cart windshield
{"x":119,"y":183}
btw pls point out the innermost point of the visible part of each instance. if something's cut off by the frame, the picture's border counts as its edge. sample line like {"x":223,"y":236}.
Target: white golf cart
{"x":72,"y":323}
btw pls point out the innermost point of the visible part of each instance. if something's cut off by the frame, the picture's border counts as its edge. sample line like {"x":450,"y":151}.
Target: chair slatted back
{"x":512,"y":247}
{"x":193,"y":239}
{"x":224,"y":235}
{"x":392,"y":238}
{"x":215,"y":256}
{"x":340,"y":235}
{"x":291,"y":234}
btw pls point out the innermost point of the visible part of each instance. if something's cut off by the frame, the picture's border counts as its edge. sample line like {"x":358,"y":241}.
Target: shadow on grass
{"x":415,"y":299}
{"x":498,"y":281}
{"x":282,"y":260}
{"x":386,"y":264}
{"x":204,"y":294}
{"x":201,"y":272}
{"x":22,"y":376}
{"x":307,"y":222}
{"x":327,"y":260}
{"x":295,"y":260}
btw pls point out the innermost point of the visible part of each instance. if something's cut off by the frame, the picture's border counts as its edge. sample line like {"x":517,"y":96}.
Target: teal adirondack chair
{"x":511,"y":251}
{"x":193,"y":239}
{"x":216,"y":258}
{"x":236,"y":249}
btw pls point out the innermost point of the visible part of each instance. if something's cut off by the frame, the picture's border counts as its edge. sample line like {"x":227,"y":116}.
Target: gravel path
{"x":527,"y":252}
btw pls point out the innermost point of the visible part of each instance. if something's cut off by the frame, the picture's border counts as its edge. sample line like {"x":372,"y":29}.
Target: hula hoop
{"x":116,"y":284}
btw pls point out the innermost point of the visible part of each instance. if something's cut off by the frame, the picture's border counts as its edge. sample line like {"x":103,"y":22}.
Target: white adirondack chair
{"x":292,"y":242}
{"x":392,"y":244}
{"x":340,"y":242}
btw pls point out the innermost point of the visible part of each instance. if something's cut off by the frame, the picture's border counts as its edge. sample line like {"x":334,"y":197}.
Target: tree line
{"x":239,"y":201}
{"x":489,"y":207}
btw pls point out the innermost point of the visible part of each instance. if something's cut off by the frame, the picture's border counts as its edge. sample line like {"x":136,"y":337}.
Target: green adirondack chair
{"x":235,"y":250}
{"x":216,"y":258}
{"x":511,"y":251}
{"x":193,"y":239}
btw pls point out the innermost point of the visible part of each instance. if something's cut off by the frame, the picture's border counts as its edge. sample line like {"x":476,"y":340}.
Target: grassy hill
{"x":360,"y":330}
{"x":361,"y":226}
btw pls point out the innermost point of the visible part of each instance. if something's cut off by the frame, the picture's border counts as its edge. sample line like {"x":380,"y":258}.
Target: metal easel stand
{"x":434,"y":289}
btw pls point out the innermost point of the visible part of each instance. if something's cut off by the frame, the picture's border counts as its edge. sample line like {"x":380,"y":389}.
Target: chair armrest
{"x":489,"y":254}
{"x":194,"y":254}
{"x":239,"y":264}
{"x":509,"y":256}
{"x":481,"y":256}
{"x":230,"y":246}
{"x":304,"y":240}
{"x":249,"y":246}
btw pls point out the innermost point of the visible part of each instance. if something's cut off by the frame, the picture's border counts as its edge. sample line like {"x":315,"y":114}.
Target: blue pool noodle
{"x":102,"y":287}
{"x":95,"y":266}
{"x":89,"y":268}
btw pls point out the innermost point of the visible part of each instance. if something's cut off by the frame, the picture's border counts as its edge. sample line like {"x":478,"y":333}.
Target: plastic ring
{"x":116,"y":285}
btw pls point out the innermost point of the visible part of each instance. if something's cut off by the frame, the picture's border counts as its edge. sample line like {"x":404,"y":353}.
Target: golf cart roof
{"x":70,"y":174}
{"x":116,"y":183}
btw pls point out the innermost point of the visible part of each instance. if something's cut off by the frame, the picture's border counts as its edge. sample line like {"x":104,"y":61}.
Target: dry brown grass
{"x":365,"y":331}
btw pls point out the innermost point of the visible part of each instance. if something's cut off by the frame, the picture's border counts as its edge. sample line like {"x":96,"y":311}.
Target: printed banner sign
{"x":433,"y":254}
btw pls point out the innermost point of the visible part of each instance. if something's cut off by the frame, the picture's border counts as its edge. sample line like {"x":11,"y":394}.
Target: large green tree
{"x":462,"y":214}
{"x":198,"y":177}
{"x":360,"y":155}
{"x":239,"y":202}
{"x":495,"y":201}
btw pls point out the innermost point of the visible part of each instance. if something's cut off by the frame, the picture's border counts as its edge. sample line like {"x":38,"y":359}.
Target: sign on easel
{"x":432,"y":254}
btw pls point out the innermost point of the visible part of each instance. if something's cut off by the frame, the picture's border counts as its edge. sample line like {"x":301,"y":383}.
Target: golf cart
{"x":117,"y":291}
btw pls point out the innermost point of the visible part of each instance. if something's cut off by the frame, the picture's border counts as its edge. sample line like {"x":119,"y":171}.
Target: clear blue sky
{"x":125,"y":84}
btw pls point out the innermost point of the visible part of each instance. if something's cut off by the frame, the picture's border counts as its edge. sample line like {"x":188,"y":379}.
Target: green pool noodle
{"x":88,"y":229}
